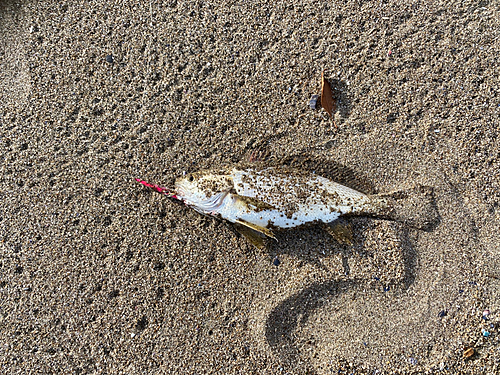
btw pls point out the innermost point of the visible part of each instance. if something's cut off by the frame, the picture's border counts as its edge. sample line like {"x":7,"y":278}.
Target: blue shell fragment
{"x":313,"y":102}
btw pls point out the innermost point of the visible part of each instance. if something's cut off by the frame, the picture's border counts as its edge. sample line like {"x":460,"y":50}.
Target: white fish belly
{"x":275,"y":218}
{"x":295,"y":201}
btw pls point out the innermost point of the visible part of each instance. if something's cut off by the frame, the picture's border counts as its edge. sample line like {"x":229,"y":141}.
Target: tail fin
{"x":414,"y":207}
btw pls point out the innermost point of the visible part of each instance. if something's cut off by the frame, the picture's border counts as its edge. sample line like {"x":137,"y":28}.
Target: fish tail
{"x":414,"y":207}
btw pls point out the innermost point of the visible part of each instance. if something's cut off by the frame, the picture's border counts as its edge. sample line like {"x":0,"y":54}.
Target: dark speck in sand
{"x":443,"y":313}
{"x":113,"y":294}
{"x":142,"y":324}
{"x":160,"y":292}
{"x":109,"y":59}
{"x":158,"y":266}
{"x":276,"y":262}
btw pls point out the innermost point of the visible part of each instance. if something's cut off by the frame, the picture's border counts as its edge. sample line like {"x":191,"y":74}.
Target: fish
{"x":260,"y":201}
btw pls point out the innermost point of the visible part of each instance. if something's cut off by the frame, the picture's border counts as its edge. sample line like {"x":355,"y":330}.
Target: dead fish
{"x":259,"y":201}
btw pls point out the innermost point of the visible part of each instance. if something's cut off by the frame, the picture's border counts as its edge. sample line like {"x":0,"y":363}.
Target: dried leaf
{"x":469,"y":352}
{"x":327,"y":100}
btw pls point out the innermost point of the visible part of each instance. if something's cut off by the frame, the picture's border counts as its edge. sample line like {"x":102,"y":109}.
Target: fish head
{"x":204,"y":190}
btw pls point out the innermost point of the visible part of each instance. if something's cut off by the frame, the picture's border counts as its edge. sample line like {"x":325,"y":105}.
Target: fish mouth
{"x":179,"y":191}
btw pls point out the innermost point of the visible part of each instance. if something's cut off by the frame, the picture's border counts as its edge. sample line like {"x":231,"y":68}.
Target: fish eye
{"x":191,"y":178}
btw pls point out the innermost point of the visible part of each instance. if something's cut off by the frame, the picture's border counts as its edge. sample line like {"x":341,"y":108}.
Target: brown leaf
{"x":327,"y":100}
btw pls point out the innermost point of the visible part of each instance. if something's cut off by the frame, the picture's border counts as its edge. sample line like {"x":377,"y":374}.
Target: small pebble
{"x":443,"y":313}
{"x":485,"y":332}
{"x":276,"y":262}
{"x":486,"y":312}
{"x":109,"y":59}
{"x":313,"y":102}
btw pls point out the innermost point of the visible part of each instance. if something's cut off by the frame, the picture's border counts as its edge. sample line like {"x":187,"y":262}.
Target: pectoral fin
{"x":265,"y":231}
{"x":255,"y":238}
{"x":253,"y":203}
{"x":340,"y":231}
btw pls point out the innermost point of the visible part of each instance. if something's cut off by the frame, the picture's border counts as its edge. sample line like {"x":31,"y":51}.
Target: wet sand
{"x":100,"y":275}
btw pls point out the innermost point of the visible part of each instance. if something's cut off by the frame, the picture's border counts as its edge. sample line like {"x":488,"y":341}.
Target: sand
{"x":100,"y":275}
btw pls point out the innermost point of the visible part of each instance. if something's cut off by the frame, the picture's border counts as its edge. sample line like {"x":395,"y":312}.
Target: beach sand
{"x":100,"y":275}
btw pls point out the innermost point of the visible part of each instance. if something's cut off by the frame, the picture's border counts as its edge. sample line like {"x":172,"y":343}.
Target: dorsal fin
{"x":329,"y":169}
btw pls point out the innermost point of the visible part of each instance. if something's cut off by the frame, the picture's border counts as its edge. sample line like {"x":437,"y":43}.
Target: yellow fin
{"x":255,"y":238}
{"x":254,"y":204}
{"x":267,"y":232}
{"x":340,"y":231}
